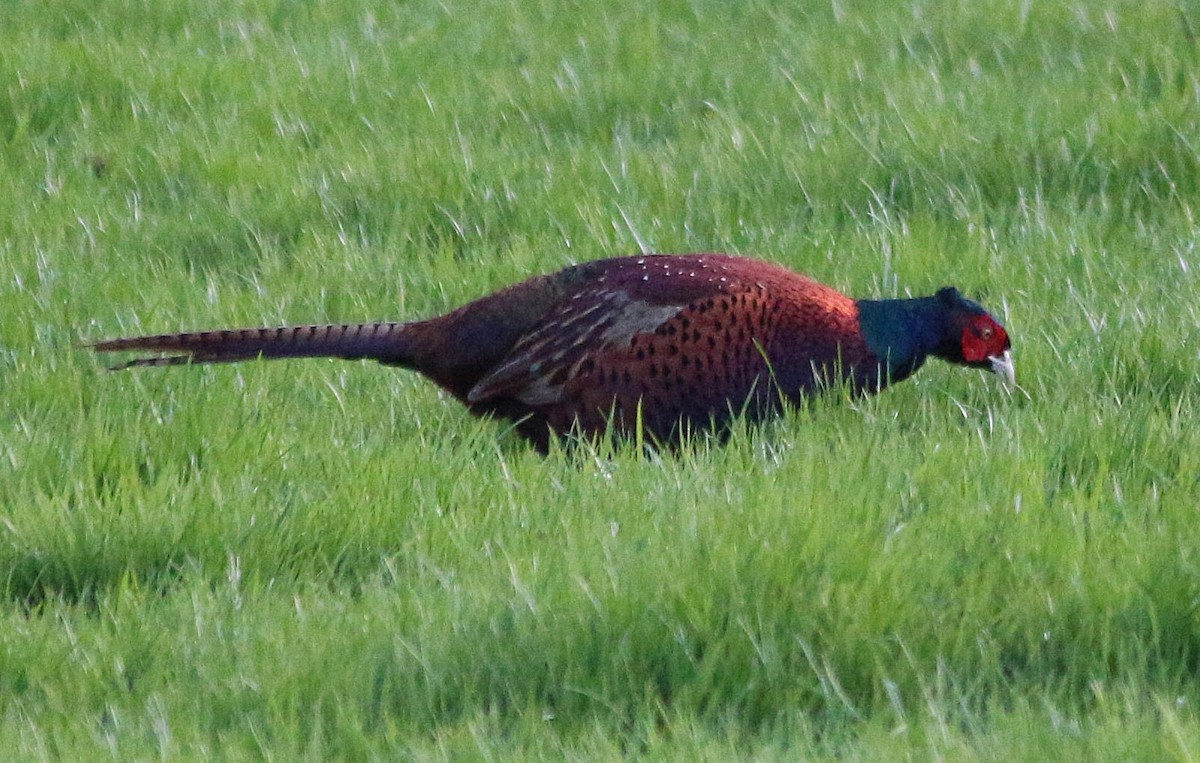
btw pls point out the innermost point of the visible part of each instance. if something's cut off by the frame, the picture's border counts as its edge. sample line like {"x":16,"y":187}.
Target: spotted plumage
{"x":663,"y":343}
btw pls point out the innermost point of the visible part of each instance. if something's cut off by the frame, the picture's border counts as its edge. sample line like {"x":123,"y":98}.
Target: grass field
{"x":324,"y":560}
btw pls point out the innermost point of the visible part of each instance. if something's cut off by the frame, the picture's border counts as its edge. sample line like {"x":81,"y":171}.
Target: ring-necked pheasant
{"x":662,"y":342}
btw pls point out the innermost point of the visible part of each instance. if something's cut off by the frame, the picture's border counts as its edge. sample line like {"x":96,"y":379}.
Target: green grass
{"x":314,"y":559}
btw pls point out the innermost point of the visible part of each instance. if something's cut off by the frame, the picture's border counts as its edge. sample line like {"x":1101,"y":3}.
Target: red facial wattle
{"x":983,"y":339}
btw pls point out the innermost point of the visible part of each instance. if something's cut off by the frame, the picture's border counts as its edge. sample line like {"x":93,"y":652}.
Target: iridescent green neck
{"x":903,"y":332}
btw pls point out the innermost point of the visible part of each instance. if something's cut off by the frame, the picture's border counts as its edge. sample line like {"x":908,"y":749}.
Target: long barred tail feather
{"x":384,"y":342}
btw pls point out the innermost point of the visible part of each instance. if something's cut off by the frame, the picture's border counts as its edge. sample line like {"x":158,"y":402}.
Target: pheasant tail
{"x":384,"y":342}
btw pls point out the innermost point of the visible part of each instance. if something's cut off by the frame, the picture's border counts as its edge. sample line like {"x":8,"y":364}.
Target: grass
{"x":314,"y":559}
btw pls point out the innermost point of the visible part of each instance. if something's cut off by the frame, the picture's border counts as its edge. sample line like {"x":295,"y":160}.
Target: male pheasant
{"x":665,"y":343}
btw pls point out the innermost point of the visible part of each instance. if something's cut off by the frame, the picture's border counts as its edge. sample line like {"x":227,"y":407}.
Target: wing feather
{"x":606,"y":313}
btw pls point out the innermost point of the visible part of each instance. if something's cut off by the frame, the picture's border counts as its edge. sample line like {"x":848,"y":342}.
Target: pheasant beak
{"x":1003,"y":366}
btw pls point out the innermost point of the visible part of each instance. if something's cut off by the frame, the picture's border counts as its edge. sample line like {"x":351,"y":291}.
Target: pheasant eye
{"x":986,"y":332}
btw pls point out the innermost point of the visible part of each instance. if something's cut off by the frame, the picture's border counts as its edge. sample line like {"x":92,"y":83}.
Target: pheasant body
{"x":665,"y":342}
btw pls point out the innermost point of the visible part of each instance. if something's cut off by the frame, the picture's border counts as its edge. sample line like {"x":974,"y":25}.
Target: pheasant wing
{"x":600,"y":317}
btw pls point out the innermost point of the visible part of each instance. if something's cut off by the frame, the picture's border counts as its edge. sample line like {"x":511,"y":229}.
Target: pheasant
{"x":655,"y":344}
